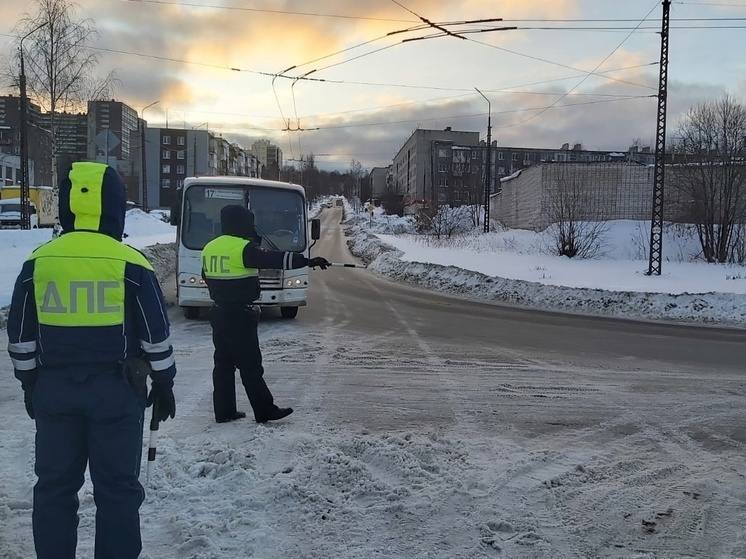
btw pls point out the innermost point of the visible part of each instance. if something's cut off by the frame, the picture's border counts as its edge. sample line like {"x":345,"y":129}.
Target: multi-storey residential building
{"x":380,"y":181}
{"x":173,"y":154}
{"x":422,"y":169}
{"x":508,"y":160}
{"x":71,"y":137}
{"x":269,"y":156}
{"x":39,"y":139}
{"x":112,"y":125}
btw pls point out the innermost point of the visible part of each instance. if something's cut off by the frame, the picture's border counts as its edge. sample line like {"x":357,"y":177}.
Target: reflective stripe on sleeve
{"x":158,"y":347}
{"x":23,"y":364}
{"x":22,"y":347}
{"x":162,"y":364}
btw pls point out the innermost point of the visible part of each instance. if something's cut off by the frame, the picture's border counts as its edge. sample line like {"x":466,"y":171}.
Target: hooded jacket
{"x":84,"y":302}
{"x":231,"y":262}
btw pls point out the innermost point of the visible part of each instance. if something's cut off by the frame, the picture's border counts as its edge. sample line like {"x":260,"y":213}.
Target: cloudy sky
{"x":349,"y":81}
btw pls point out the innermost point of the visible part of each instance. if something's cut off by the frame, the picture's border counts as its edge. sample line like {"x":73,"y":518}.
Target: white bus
{"x":281,"y":219}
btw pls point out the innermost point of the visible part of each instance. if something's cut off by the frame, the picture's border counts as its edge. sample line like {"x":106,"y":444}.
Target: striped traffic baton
{"x":153,"y":440}
{"x":344,"y":265}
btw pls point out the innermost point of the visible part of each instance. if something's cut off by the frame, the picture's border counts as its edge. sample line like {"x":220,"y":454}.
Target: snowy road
{"x":431,"y":427}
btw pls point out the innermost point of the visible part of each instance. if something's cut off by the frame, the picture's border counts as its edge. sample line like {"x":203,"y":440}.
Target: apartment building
{"x":422,"y":170}
{"x":39,"y":139}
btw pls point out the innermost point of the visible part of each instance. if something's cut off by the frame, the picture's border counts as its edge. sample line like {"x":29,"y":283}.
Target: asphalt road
{"x":370,"y":304}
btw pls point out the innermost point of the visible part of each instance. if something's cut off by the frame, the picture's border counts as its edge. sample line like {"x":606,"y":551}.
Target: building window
{"x":180,"y":183}
{"x":526,"y":157}
{"x":500,"y":156}
{"x":180,"y":154}
{"x":475,"y":155}
{"x":514,"y":157}
{"x":456,"y":195}
{"x":166,"y":169}
{"x":166,"y":140}
{"x":442,"y":153}
{"x":180,"y":170}
{"x":501,"y":170}
{"x":441,"y":196}
{"x":165,"y":183}
{"x":166,"y":154}
{"x":180,"y":140}
{"x":442,"y":168}
{"x":443,"y":182}
{"x":466,"y":196}
{"x":459,"y":183}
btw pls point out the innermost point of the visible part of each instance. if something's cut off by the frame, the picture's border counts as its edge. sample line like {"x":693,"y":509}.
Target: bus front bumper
{"x":200,"y":297}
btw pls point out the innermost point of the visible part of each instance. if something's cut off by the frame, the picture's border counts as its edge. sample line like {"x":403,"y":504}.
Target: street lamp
{"x":488,"y":173}
{"x":25,"y":202}
{"x":142,"y":152}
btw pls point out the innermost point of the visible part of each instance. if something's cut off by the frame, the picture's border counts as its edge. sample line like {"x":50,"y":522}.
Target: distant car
{"x":326,"y":205}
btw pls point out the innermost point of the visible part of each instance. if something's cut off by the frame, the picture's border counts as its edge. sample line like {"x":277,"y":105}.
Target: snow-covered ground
{"x":515,"y":267}
{"x":318,"y":487}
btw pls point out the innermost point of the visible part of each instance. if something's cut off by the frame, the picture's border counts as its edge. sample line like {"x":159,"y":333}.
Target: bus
{"x":281,"y":220}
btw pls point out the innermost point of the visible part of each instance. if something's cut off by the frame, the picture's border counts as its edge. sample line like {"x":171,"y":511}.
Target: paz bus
{"x":281,"y":220}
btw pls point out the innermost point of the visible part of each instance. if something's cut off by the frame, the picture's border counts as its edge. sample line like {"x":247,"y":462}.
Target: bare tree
{"x":59,"y":62}
{"x":708,"y":182}
{"x":578,"y":223}
{"x":445,"y":221}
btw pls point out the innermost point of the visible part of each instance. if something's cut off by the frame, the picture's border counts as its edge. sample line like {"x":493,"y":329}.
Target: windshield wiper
{"x":265,"y":239}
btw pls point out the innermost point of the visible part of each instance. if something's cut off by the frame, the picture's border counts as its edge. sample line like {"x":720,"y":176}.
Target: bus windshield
{"x":279,"y":215}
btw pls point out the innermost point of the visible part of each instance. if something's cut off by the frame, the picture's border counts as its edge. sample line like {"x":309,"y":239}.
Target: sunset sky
{"x":364,"y":90}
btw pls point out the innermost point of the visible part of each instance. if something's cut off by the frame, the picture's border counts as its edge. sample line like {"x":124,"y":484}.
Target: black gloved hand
{"x":163,"y":394}
{"x":319,"y":261}
{"x":28,"y":399}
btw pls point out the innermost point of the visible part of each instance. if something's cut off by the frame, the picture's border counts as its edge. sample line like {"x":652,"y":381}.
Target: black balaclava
{"x":237,"y":221}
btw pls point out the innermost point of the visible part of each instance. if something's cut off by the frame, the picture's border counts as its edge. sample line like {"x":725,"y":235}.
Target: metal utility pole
{"x":656,"y":222}
{"x":142,"y":152}
{"x":488,"y":172}
{"x":25,"y":198}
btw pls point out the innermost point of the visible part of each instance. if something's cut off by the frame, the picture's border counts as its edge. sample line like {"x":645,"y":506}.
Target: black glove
{"x":136,"y":371}
{"x":28,"y":399}
{"x":319,"y":261}
{"x":162,"y":395}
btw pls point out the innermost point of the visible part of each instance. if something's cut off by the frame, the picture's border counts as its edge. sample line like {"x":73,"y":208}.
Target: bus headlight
{"x":297,"y":282}
{"x":194,"y":280}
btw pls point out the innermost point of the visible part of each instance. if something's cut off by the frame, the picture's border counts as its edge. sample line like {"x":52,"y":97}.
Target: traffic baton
{"x":153,"y":439}
{"x":343,"y":265}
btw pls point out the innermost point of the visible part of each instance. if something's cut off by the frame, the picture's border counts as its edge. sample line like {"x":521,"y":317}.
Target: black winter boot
{"x":275,"y":414}
{"x":237,"y":415}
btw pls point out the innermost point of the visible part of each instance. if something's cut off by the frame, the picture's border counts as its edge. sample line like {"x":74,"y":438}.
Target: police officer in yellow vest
{"x":83,"y":305}
{"x":230,"y":266}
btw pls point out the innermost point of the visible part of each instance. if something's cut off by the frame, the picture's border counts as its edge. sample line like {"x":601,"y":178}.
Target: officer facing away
{"x":230,"y":267}
{"x":82,"y":305}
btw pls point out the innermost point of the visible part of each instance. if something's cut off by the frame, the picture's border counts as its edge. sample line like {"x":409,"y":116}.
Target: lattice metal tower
{"x":656,"y":223}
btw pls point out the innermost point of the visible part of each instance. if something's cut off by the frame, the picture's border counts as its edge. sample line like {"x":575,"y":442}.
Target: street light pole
{"x":25,"y":202}
{"x":488,"y":172}
{"x":142,"y":152}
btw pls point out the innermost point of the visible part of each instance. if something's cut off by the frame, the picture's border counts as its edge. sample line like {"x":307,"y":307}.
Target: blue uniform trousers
{"x":94,"y":419}
{"x":236,"y":342}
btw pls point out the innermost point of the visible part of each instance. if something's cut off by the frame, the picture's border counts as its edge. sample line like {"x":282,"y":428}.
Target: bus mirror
{"x":315,"y":229}
{"x":174,"y":214}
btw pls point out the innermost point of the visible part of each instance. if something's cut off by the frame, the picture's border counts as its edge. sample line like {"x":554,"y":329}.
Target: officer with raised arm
{"x":230,"y":267}
{"x":84,"y":308}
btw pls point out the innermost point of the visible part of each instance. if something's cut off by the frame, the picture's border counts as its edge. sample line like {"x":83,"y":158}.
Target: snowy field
{"x":319,"y":487}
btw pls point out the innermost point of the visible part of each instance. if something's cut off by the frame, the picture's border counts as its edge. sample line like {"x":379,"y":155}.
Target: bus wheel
{"x":289,"y":312}
{"x":191,"y":313}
